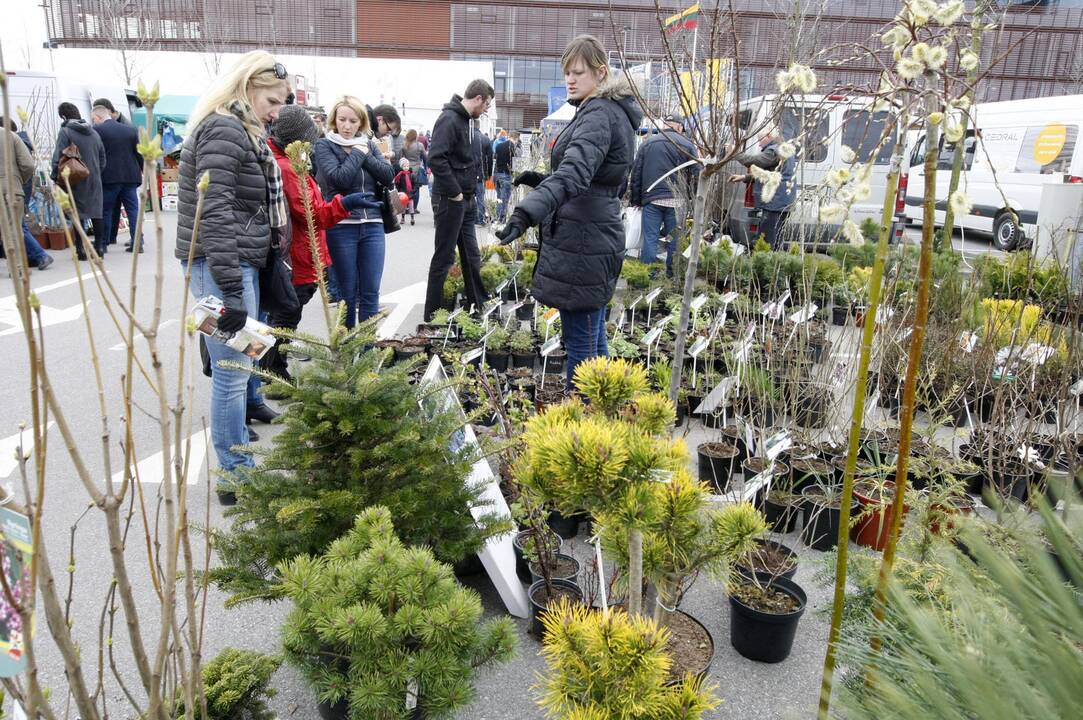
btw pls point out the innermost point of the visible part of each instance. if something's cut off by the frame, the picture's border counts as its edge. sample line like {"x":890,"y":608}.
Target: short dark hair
{"x":9,"y":124}
{"x":478,"y":87}
{"x":388,"y":113}
{"x":105,"y":103}
{"x":68,"y":111}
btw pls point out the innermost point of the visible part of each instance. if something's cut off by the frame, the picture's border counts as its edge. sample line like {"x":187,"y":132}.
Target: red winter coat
{"x":325,"y":214}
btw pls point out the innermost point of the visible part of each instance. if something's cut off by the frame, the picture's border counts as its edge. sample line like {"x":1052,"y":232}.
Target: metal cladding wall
{"x":404,"y":28}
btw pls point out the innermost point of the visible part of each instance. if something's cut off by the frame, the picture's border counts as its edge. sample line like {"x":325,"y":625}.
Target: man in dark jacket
{"x":121,"y":177}
{"x":483,"y":153}
{"x":454,"y":172}
{"x":657,"y":159}
{"x":87,"y":195}
{"x":774,"y":209}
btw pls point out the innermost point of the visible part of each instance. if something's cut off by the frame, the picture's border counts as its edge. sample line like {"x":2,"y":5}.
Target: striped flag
{"x":684,"y":20}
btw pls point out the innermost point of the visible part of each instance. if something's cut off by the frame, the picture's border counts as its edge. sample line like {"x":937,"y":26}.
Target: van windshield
{"x":863,"y":132}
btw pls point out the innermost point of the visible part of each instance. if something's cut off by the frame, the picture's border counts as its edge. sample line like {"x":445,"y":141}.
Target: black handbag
{"x":387,"y":211}
{"x":276,"y":293}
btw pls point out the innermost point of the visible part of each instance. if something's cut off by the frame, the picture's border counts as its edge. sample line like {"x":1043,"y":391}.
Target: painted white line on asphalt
{"x":9,"y":449}
{"x":150,"y":468}
{"x":10,"y":299}
{"x":121,"y":345}
{"x":404,"y":301}
{"x":49,"y":316}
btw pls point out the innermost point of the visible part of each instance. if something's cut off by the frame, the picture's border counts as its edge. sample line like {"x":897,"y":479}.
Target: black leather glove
{"x":232,"y":320}
{"x":356,"y":201}
{"x":516,"y":226}
{"x":529,"y":178}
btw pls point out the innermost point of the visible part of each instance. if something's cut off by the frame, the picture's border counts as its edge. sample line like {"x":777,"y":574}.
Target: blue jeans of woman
{"x":583,"y":337}
{"x":357,"y":264}
{"x":229,"y":386}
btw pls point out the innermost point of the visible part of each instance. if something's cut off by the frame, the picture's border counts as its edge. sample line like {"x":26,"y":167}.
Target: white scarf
{"x":356,"y":141}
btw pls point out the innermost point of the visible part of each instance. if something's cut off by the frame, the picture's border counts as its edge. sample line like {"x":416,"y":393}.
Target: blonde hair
{"x":588,"y":49}
{"x":354,"y":104}
{"x":253,"y":69}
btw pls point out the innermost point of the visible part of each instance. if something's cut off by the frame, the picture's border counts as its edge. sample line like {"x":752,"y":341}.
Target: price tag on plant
{"x":516,"y":306}
{"x":737,"y":248}
{"x":1037,"y":354}
{"x":650,"y":337}
{"x":653,"y":294}
{"x":698,"y":302}
{"x":698,"y":346}
{"x":717,"y":397}
{"x":411,"y":694}
{"x":501,"y":287}
{"x":777,"y":444}
{"x":668,"y":319}
{"x":1076,"y":388}
{"x":968,"y":341}
{"x":884,"y":314}
{"x":729,"y":297}
{"x":750,"y":439}
{"x":485,"y":337}
{"x":662,"y":476}
{"x":550,"y":347}
{"x":551,"y":316}
{"x":687,"y":254}
{"x":515,"y":269}
{"x":804,"y":314}
{"x":471,"y":355}
{"x":635,"y":302}
{"x":490,"y":307}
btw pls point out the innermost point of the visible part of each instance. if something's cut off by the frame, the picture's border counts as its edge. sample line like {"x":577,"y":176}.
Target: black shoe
{"x":253,"y":436}
{"x":227,"y":497}
{"x":262,"y":413}
{"x":128,"y":248}
{"x":411,"y":219}
{"x":45,"y":262}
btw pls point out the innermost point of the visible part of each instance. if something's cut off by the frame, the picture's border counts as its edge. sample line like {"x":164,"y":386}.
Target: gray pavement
{"x":749,"y":690}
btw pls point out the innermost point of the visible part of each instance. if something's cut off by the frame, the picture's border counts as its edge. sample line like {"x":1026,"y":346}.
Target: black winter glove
{"x":232,"y":320}
{"x":356,"y":201}
{"x":516,"y":226}
{"x":529,"y":178}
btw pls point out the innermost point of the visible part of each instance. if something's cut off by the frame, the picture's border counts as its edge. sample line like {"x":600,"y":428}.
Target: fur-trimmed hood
{"x":618,"y":88}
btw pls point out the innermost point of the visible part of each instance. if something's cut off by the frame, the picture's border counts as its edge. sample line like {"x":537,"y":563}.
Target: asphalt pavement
{"x":750,"y":690}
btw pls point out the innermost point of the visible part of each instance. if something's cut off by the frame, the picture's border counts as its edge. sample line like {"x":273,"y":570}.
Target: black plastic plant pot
{"x":763,"y":636}
{"x":781,"y":517}
{"x":404,"y":353}
{"x":700,"y":673}
{"x":1012,"y":481}
{"x":565,"y":527}
{"x":522,"y":566}
{"x":555,"y":362}
{"x":779,"y":550}
{"x":539,"y":603}
{"x":334,"y":711}
{"x":498,"y":360}
{"x":821,"y":530}
{"x":839,"y":314}
{"x":751,"y":469}
{"x":469,"y":566}
{"x":571,"y":573}
{"x":524,"y":360}
{"x":525,"y":312}
{"x":717,"y":462}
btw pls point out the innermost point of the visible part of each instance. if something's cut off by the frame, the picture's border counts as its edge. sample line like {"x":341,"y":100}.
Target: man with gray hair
{"x":775,"y":208}
{"x":121,"y":176}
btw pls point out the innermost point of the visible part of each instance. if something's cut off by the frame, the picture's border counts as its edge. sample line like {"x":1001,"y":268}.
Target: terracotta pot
{"x":873,"y":530}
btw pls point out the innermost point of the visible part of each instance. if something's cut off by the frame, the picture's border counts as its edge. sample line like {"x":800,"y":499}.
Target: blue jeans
{"x":230,"y":387}
{"x":115,"y":195}
{"x":503,"y":194}
{"x":658,"y":220}
{"x":479,"y":200}
{"x":583,"y":337}
{"x":357,"y":264}
{"x":35,"y":253}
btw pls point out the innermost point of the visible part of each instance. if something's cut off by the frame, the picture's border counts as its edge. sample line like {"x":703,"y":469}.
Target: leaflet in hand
{"x":254,"y":339}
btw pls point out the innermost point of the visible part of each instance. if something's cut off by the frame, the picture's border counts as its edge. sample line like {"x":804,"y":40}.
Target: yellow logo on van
{"x":1049,"y":143}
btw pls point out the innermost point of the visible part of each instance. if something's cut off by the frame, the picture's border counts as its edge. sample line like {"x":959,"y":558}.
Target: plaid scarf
{"x":277,"y":212}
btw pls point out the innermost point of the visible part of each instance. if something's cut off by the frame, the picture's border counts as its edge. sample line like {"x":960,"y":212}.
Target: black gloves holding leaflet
{"x":356,"y":201}
{"x":516,"y":226}
{"x":529,"y":178}
{"x":231,"y":320}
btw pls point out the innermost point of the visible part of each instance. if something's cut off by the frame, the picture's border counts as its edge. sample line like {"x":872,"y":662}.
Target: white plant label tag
{"x":621,"y":320}
{"x":687,"y":254}
{"x":471,"y":355}
{"x":1027,"y":454}
{"x":698,"y":346}
{"x":551,"y":316}
{"x":501,"y":287}
{"x":729,"y":297}
{"x":550,"y":347}
{"x":718,"y":396}
{"x":717,"y":324}
{"x":650,"y":337}
{"x":485,"y":337}
{"x":662,"y":476}
{"x":490,"y":307}
{"x":666,"y":321}
{"x":872,"y":401}
{"x":455,"y":313}
{"x":777,"y":444}
{"x":698,"y":301}
{"x":750,"y":440}
{"x":737,"y":248}
{"x":411,"y":694}
{"x":884,"y":314}
{"x":906,"y":333}
{"x":1077,"y":388}
{"x":804,"y":314}
{"x":968,"y":341}
{"x":653,"y":295}
{"x":515,"y":307}
{"x":17,"y":712}
{"x":743,"y":348}
{"x":635,"y":302}
{"x":1037,"y":354}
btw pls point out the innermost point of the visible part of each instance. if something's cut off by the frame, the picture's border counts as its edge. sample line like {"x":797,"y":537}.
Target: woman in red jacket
{"x":294,"y":124}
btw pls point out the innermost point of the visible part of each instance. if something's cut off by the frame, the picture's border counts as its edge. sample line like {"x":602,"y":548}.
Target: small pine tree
{"x":356,"y":434}
{"x":604,"y":666}
{"x":380,"y":625}
{"x":235,"y":686}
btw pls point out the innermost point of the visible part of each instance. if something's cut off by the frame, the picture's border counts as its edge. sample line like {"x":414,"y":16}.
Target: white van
{"x":1018,"y":147}
{"x":822,"y":125}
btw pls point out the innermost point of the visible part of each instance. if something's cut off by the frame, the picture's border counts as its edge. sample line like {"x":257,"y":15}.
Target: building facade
{"x":1038,"y":53}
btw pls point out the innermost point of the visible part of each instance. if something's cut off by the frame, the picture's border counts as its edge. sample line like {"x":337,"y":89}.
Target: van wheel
{"x":1006,"y":232}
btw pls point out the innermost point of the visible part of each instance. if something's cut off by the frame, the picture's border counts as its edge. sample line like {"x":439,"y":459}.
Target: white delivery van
{"x":1017,"y":147}
{"x":821,"y":125}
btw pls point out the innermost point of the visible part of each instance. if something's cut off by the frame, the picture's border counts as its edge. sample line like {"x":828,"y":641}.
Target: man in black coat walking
{"x":122,"y":175}
{"x":454,"y":173}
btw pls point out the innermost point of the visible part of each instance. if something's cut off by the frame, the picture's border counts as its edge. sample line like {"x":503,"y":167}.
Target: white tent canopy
{"x":563,"y":114}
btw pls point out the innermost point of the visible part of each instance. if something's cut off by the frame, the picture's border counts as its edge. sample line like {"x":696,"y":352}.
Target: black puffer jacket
{"x":582,"y":243}
{"x":340,"y":173}
{"x":234,"y":227}
{"x":451,"y":151}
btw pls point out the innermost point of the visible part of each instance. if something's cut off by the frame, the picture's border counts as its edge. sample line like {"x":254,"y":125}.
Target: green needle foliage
{"x":374,"y":619}
{"x":1007,"y":644}
{"x":610,"y":666}
{"x":356,"y":434}
{"x":235,"y":685}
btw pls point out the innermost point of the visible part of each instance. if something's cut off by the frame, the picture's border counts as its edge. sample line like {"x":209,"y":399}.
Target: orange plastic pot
{"x":873,"y":529}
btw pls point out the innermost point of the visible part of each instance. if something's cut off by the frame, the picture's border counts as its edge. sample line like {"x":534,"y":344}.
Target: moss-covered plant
{"x":356,"y":433}
{"x":610,"y":665}
{"x":235,"y":684}
{"x":383,"y":627}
